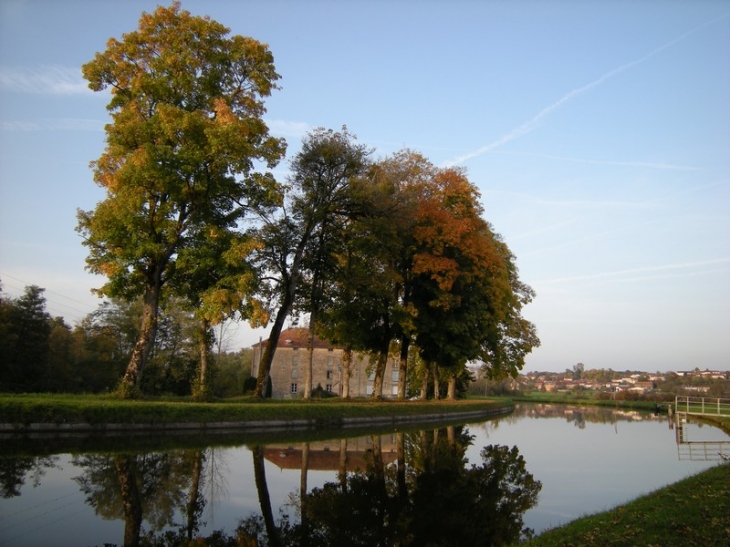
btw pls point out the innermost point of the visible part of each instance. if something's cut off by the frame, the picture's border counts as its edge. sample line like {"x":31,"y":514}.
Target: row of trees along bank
{"x":41,"y":353}
{"x":383,"y":255}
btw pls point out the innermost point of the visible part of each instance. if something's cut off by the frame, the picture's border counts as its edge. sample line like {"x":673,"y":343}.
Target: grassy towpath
{"x":694,"y":512}
{"x":38,"y":412}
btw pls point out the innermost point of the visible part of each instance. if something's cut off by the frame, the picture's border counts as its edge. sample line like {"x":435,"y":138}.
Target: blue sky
{"x":597,"y":132}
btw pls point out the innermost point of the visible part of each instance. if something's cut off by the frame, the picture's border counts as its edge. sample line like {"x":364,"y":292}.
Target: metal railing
{"x":704,"y":451}
{"x":702,"y":406}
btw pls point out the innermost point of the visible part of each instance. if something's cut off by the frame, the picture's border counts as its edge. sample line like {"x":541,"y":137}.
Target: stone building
{"x":291,"y":358}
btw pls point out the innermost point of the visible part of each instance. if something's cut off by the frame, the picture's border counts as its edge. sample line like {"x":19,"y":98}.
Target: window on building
{"x":394,"y":375}
{"x":293,"y":388}
{"x":329,"y":374}
{"x":295,"y":360}
{"x":329,"y":388}
{"x":295,"y":373}
{"x":330,"y":361}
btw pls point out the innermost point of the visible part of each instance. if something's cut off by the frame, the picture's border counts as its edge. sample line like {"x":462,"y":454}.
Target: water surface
{"x":483,"y":482}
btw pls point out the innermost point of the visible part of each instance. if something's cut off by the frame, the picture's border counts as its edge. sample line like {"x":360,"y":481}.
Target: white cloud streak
{"x":647,"y":165}
{"x":46,"y":80}
{"x":531,"y":124}
{"x":588,"y":237}
{"x":285,"y":128}
{"x":576,"y":203}
{"x":59,"y":124}
{"x":631,"y":274}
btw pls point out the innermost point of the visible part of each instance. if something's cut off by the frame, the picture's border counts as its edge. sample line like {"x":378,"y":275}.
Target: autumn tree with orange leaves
{"x":467,"y":293}
{"x":424,"y":271}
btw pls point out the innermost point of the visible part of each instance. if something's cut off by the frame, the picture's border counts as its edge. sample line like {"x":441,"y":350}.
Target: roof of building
{"x":296,"y":338}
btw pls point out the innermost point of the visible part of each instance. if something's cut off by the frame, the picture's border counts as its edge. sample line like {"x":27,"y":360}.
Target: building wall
{"x":288,"y":371}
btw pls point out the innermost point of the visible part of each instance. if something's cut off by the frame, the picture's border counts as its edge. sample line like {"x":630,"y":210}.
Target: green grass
{"x":580,"y":399}
{"x":692,"y":512}
{"x":25,"y":409}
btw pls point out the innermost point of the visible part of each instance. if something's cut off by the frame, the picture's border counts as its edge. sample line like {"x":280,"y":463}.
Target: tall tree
{"x":468,"y":294}
{"x":370,"y":303}
{"x":186,"y":107}
{"x":319,"y":193}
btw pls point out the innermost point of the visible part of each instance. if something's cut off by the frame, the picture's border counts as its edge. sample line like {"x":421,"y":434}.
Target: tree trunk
{"x":310,"y":360}
{"x":403,"y":367}
{"x":342,"y":471}
{"x":303,"y":492}
{"x":452,"y":387}
{"x":203,"y":387}
{"x":345,"y":373}
{"x":129,"y":386}
{"x":400,"y":450}
{"x":263,"y":492}
{"x":290,"y":282}
{"x":436,"y":384}
{"x":130,"y":497}
{"x":379,"y":375}
{"x":270,"y":349}
{"x":194,"y":506}
{"x":424,"y":383}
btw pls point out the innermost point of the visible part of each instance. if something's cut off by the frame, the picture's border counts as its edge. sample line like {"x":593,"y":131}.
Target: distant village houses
{"x":692,"y":381}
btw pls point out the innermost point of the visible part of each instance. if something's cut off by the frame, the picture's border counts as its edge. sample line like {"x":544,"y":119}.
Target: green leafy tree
{"x":25,"y":326}
{"x":293,"y":238}
{"x":219,"y":285}
{"x":398,"y":184}
{"x":369,"y":304}
{"x":103,"y":344}
{"x":60,"y":372}
{"x":230,"y":373}
{"x":7,"y":340}
{"x":186,"y":131}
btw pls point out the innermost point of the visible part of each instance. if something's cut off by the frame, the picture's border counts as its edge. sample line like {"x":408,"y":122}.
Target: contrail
{"x":646,"y":269}
{"x":530,"y":124}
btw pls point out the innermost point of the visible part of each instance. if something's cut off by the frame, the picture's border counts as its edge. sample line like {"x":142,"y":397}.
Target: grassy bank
{"x":27,"y":409}
{"x":692,"y":512}
{"x":587,"y":400}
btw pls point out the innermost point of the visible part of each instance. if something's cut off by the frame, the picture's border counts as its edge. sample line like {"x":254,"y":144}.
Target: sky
{"x":597,"y":132}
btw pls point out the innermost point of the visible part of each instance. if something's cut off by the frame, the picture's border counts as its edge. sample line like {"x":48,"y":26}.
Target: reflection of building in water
{"x":587,"y":413}
{"x":291,"y":358}
{"x":325,"y":455}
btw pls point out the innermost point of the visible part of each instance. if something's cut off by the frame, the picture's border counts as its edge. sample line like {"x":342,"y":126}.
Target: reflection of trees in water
{"x":427,"y":495}
{"x":151,"y":487}
{"x":410,"y":489}
{"x":581,"y":415}
{"x":13,"y":472}
{"x":577,"y":415}
{"x":215,"y":471}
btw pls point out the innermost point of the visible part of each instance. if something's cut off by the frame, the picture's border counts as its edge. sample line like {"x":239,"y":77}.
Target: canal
{"x":487,"y":482}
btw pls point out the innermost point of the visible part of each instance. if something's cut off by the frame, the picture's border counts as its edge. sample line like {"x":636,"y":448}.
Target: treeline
{"x":386,"y":256}
{"x":41,"y":353}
